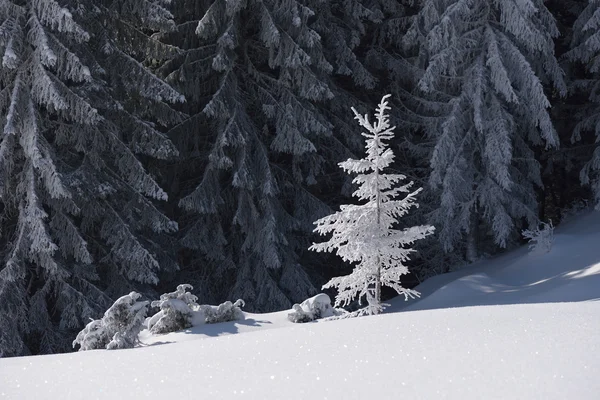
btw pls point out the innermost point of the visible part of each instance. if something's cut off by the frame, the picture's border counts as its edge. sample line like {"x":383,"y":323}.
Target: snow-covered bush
{"x":224,"y":312}
{"x":120,"y":341}
{"x":176,"y":311}
{"x":316,"y":307}
{"x":540,"y":238}
{"x":93,"y":336}
{"x":118,"y":328}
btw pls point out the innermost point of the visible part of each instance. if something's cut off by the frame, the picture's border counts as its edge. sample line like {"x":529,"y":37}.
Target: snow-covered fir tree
{"x":367,"y":234}
{"x":257,"y":76}
{"x":385,"y":53}
{"x":561,"y":166}
{"x":393,"y":63}
{"x":485,"y":66}
{"x":77,"y":106}
{"x":585,"y":49}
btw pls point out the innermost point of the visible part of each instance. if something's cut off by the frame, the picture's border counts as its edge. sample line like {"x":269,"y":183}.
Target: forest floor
{"x":521,"y":326}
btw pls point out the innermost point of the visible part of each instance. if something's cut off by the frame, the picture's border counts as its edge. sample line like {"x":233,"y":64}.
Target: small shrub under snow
{"x":540,"y":239}
{"x":118,"y":328}
{"x":316,"y":307}
{"x":176,"y":311}
{"x":224,"y":312}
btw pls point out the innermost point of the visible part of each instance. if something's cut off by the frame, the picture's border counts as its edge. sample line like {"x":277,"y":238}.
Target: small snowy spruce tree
{"x":118,"y":328}
{"x":176,"y":311}
{"x":364,"y":234}
{"x":540,"y":238}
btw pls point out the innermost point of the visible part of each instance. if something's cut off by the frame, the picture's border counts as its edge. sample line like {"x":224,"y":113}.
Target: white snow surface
{"x":569,"y":272}
{"x":518,"y":326}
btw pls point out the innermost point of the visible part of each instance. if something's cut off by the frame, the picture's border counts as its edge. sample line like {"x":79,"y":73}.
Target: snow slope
{"x":522,"y":351}
{"x":522,"y":343}
{"x":569,"y":272}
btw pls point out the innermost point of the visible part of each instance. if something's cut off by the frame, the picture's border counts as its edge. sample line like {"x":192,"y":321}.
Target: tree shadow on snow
{"x":570,"y":272}
{"x":142,"y":344}
{"x":205,"y":330}
{"x":223,"y":328}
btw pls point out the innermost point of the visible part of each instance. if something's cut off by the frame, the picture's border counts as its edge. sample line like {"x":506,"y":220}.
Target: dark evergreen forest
{"x":149,"y":143}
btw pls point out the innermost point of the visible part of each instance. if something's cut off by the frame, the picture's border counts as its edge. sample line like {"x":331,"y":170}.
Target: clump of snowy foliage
{"x":540,"y":238}
{"x":316,"y":307}
{"x":176,"y":311}
{"x":224,"y":312}
{"x":118,"y":329}
{"x":363,"y":233}
{"x":179,"y":310}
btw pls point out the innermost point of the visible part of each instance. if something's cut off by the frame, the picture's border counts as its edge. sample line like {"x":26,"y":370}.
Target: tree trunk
{"x":378,"y":266}
{"x":378,"y":285}
{"x":472,"y":251}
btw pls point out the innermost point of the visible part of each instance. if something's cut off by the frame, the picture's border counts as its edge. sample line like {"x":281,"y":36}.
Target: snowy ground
{"x":535,"y":337}
{"x":569,"y":272}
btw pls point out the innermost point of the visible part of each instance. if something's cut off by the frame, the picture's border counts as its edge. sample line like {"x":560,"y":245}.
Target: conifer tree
{"x":366,"y":234}
{"x":484,"y":66}
{"x":392,"y":59}
{"x":77,"y":106}
{"x":257,"y":75}
{"x":585,"y":49}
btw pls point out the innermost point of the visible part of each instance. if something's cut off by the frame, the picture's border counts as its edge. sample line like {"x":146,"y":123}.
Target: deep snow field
{"x":519,"y":326}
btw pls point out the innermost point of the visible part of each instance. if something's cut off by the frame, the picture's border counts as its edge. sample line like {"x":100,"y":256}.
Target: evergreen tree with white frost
{"x":366,"y":234}
{"x":393,"y":62}
{"x":258,"y":79}
{"x":77,"y":107}
{"x":585,"y":49}
{"x":485,"y":65}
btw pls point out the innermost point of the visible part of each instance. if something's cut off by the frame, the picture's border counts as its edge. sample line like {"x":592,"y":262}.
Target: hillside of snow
{"x":570,"y":271}
{"x":518,"y":326}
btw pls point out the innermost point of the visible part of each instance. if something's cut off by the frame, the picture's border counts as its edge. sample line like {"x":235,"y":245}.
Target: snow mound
{"x":316,"y":307}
